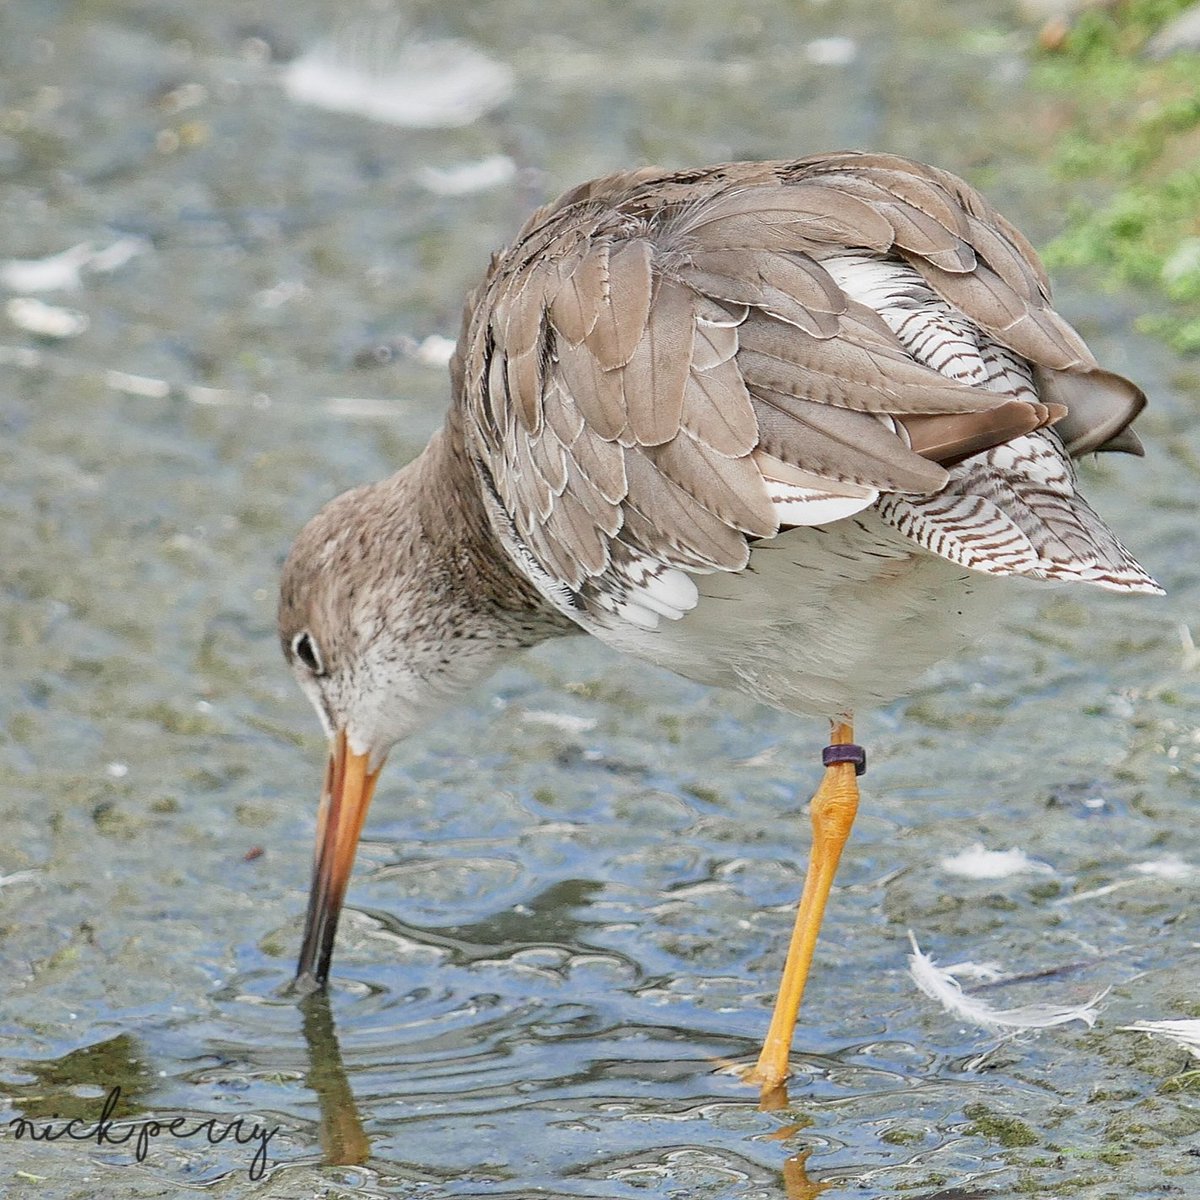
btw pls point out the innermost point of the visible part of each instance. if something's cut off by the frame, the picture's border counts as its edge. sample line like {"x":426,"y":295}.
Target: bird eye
{"x":305,"y":649}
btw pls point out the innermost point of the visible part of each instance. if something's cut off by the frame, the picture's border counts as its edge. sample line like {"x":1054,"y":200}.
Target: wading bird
{"x":782,"y":427}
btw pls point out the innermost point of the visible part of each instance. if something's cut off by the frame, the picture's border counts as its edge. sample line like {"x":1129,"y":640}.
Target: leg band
{"x":845,"y":752}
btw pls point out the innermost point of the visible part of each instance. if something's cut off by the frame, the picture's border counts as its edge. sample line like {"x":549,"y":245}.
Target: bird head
{"x":370,"y":624}
{"x":358,"y":623}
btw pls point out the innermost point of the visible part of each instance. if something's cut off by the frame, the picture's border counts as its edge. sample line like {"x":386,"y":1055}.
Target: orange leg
{"x":833,"y":809}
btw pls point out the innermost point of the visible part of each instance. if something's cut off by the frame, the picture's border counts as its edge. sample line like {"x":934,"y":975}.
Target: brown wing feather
{"x":717,"y":409}
{"x":654,"y":348}
{"x":655,"y":379}
{"x":575,"y":307}
{"x":623,"y":306}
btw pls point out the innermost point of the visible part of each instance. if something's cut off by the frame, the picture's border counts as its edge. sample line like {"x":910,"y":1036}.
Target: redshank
{"x":776,"y":426}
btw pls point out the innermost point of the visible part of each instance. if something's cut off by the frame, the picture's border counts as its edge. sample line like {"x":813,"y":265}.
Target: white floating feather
{"x":1170,"y":868}
{"x":46,"y":320}
{"x":435,"y":350}
{"x":831,"y":51}
{"x":1190,"y":659}
{"x":20,"y":877}
{"x":60,"y":272}
{"x":939,"y":984}
{"x":978,"y":863}
{"x":441,"y":84}
{"x":464,"y":178}
{"x":138,"y":385}
{"x":115,"y":256}
{"x":54,"y":273}
{"x":564,"y":722}
{"x":985,"y":972}
{"x":1182,"y":1033}
{"x":1096,"y":893}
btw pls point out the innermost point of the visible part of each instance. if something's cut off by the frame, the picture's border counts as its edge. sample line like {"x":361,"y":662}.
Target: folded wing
{"x":664,"y":368}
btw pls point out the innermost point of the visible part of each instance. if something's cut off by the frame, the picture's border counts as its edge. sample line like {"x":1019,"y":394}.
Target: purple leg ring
{"x":845,"y":752}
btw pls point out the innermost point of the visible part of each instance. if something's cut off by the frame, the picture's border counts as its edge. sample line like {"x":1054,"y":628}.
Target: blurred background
{"x":234,"y":241}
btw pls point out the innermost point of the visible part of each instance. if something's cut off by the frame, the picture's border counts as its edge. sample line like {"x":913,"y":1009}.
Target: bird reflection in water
{"x":344,"y":1142}
{"x":796,"y":1183}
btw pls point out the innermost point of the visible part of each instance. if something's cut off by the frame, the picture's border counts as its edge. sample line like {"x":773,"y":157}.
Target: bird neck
{"x":462,"y":550}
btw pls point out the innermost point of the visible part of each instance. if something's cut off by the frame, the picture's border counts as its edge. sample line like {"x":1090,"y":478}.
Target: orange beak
{"x":349,"y":786}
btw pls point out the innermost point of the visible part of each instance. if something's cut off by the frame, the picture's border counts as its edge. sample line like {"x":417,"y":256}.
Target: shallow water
{"x":573,"y":898}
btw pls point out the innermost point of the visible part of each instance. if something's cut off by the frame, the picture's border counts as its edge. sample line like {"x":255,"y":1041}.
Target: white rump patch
{"x":939,"y":983}
{"x":978,"y":863}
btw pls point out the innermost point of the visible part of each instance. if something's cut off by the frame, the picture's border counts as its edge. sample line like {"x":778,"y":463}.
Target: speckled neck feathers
{"x":417,"y":545}
{"x":396,"y":598}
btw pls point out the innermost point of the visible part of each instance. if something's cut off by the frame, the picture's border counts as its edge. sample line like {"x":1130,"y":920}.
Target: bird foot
{"x":773,"y":1093}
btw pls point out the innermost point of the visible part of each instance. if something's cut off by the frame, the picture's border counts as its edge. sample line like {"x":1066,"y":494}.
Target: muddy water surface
{"x":573,"y":898}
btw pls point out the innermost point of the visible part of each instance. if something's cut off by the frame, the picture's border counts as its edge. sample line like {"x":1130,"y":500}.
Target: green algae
{"x":1010,"y":1132}
{"x":1133,"y":125}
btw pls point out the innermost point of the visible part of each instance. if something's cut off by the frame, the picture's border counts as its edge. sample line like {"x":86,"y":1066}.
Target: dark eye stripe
{"x":305,"y":649}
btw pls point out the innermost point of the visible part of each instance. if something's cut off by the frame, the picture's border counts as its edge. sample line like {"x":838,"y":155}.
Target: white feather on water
{"x":1166,"y":870}
{"x":466,"y":178}
{"x":985,"y":972}
{"x":831,"y":51}
{"x":939,"y":983}
{"x":1170,"y":868}
{"x":54,"y":273}
{"x":1190,"y":657}
{"x":369,"y":71}
{"x":978,"y":863}
{"x":46,"y":320}
{"x":564,"y":722}
{"x":61,"y":272}
{"x":1182,"y":1033}
{"x":15,"y":877}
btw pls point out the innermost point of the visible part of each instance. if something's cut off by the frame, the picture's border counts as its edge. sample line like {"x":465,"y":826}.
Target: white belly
{"x":824,"y":620}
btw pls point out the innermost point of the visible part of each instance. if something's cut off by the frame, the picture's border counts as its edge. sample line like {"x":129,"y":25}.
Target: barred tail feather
{"x":1015,"y":511}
